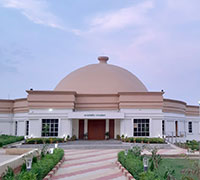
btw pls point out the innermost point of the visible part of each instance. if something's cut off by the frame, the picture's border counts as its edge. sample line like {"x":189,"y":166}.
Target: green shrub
{"x":23,"y":168}
{"x":136,"y":151}
{"x":9,"y":175}
{"x":73,"y":138}
{"x":148,"y":176}
{"x":134,"y":166}
{"x":145,"y":140}
{"x":26,"y":176}
{"x":131,"y":139}
{"x":131,"y":162}
{"x":193,"y":145}
{"x":43,"y":166}
{"x":43,"y":140}
{"x":40,"y":168}
{"x":118,"y":137}
{"x":121,"y":157}
{"x":7,"y":139}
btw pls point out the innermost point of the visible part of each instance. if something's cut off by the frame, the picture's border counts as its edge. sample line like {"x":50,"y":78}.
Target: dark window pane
{"x":143,"y":121}
{"x":143,"y":134}
{"x":141,"y":128}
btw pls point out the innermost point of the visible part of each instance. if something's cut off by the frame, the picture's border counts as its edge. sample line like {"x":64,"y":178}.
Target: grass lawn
{"x":6,"y":139}
{"x":177,"y":164}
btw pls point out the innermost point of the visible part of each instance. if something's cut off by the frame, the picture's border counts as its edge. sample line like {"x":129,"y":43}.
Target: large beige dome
{"x":101,"y":78}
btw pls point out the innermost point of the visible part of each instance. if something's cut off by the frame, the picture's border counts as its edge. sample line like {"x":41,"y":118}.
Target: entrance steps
{"x":100,"y":144}
{"x":84,"y":142}
{"x":90,"y":144}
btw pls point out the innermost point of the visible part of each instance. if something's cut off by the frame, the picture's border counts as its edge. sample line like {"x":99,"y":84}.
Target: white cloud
{"x":35,"y":10}
{"x":121,"y":18}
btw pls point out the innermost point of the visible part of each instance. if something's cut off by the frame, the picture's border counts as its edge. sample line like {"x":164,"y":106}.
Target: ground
{"x":90,"y":165}
{"x":177,"y":164}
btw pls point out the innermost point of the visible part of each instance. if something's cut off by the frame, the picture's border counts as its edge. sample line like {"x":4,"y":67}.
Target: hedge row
{"x":144,"y":140}
{"x":134,"y":164}
{"x":40,"y":168}
{"x":7,"y":139}
{"x":48,"y":140}
{"x":43,"y":140}
{"x":194,"y":145}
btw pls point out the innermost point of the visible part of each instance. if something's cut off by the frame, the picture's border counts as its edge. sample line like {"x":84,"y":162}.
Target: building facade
{"x":95,"y":100}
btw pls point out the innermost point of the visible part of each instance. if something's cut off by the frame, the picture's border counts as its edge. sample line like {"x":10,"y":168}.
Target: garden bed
{"x":193,"y":145}
{"x":158,"y":168}
{"x":7,"y":139}
{"x":49,"y":140}
{"x":40,"y":167}
{"x":143,"y":140}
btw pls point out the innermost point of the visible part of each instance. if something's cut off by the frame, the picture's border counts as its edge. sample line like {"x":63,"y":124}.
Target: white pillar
{"x":107,"y":125}
{"x":69,"y":127}
{"x":122,"y":127}
{"x":85,"y":126}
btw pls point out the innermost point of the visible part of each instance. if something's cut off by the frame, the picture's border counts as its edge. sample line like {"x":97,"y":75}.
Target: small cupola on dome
{"x":103,"y":59}
{"x":101,"y":78}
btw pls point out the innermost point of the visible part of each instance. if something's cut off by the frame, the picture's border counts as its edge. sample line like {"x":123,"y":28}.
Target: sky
{"x":41,"y":41}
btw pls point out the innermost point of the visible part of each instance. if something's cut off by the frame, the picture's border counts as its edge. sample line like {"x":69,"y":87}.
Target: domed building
{"x":97,"y":100}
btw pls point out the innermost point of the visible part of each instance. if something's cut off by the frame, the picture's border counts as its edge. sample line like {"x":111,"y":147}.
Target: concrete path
{"x":5,"y":157}
{"x":174,"y":151}
{"x":90,"y":165}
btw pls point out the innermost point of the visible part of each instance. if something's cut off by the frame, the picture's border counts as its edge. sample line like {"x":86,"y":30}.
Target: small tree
{"x":155,"y":159}
{"x":45,"y":130}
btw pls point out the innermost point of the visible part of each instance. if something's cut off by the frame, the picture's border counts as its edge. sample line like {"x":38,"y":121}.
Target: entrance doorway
{"x":96,"y":129}
{"x":81,"y":129}
{"x":176,"y":128}
{"x":111,"y":128}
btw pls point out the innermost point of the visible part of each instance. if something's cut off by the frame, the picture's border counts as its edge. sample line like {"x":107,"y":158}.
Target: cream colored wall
{"x":35,"y":127}
{"x":117,"y":127}
{"x":75,"y":127}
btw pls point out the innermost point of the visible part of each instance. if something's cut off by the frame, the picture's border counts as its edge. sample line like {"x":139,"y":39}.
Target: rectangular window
{"x":49,"y":127}
{"x":163,"y":127}
{"x":176,"y":128}
{"x":141,"y":127}
{"x":15,"y":128}
{"x":27,"y":128}
{"x":199,"y":127}
{"x":190,"y":127}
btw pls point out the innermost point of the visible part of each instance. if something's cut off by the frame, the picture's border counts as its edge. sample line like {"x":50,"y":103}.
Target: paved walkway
{"x":174,"y":151}
{"x":5,"y":157}
{"x":90,"y":165}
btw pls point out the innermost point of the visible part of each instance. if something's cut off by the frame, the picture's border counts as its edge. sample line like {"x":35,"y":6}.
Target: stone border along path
{"x":90,"y":164}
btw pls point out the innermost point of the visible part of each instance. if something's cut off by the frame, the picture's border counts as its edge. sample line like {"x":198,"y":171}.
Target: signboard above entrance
{"x":96,"y":115}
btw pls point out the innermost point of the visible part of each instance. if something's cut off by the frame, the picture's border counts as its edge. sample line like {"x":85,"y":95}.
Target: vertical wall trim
{"x":107,"y":125}
{"x":85,"y":126}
